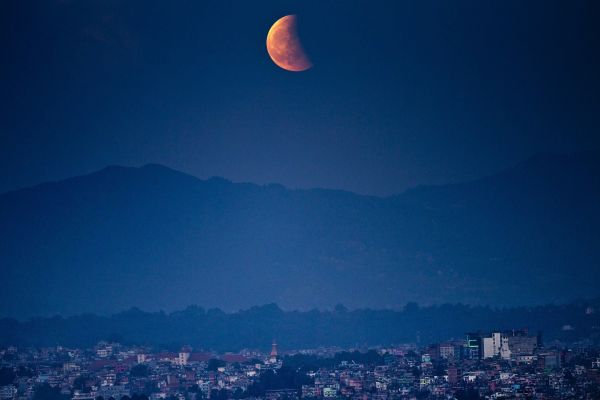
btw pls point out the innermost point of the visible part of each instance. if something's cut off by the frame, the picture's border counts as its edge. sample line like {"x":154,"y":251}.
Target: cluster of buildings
{"x":516,"y":345}
{"x":497,"y":365}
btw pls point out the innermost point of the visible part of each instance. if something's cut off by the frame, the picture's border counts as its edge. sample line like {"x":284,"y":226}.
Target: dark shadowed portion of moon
{"x":284,"y":45}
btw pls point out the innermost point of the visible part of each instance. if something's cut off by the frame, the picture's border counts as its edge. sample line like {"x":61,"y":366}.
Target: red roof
{"x":99,"y":364}
{"x":132,"y":360}
{"x":231,"y":358}
{"x":199,"y":357}
{"x":166,"y":355}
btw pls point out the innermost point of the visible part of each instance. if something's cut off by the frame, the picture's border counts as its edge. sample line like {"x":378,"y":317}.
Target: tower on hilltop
{"x":273,"y":357}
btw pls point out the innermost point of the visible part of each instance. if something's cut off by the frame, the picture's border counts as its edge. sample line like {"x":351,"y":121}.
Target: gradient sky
{"x":402,"y":92}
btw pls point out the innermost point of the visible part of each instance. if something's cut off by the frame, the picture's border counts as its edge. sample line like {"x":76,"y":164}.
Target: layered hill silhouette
{"x":256,"y":326}
{"x":157,"y":238}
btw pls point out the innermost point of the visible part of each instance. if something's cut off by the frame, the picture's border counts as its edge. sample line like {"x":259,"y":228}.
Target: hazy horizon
{"x":475,"y":177}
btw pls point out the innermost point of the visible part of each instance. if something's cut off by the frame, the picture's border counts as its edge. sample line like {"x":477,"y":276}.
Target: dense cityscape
{"x":300,"y":200}
{"x":493,"y":365}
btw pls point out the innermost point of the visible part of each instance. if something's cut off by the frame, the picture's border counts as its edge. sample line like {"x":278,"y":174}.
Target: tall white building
{"x":504,"y":348}
{"x":496,"y":345}
{"x":183,"y":358}
{"x":491,"y":345}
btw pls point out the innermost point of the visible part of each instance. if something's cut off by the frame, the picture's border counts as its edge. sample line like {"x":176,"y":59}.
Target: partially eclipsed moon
{"x":284,"y":46}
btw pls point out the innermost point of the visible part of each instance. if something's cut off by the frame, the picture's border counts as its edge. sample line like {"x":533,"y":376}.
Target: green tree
{"x":214,"y":364}
{"x":47,"y":392}
{"x":79,"y":383}
{"x":222,"y":394}
{"x":7,"y":376}
{"x":140,"y":371}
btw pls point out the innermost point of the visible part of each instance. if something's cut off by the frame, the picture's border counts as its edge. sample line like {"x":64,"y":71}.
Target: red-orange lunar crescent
{"x":284,"y":46}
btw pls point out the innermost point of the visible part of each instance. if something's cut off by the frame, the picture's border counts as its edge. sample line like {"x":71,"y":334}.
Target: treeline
{"x":312,"y":363}
{"x":256,"y":327}
{"x":46,"y":392}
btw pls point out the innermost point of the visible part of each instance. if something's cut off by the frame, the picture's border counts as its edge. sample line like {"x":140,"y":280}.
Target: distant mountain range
{"x":156,"y":238}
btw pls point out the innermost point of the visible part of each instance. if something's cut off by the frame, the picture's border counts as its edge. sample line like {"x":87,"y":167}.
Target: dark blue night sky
{"x":474,"y":123}
{"x":402,"y":92}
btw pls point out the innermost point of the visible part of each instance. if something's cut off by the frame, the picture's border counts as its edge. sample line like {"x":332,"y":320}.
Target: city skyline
{"x":470,"y":368}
